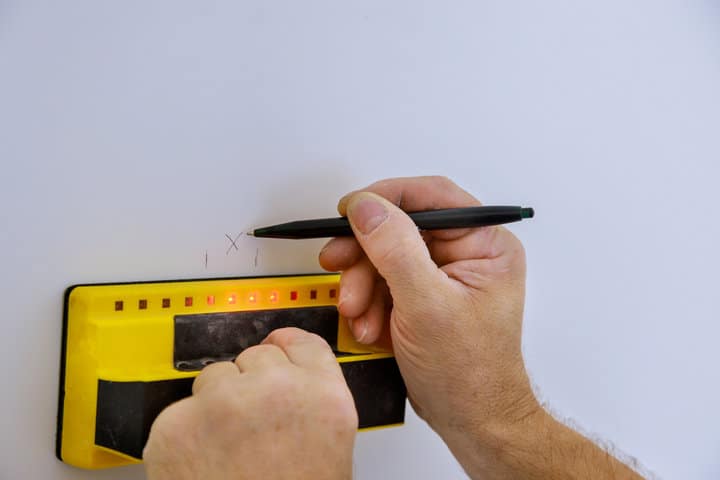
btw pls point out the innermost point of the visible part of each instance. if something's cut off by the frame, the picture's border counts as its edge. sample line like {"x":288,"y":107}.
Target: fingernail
{"x":367,"y":214}
{"x":342,"y":203}
{"x":360,"y":330}
{"x":344,"y":296}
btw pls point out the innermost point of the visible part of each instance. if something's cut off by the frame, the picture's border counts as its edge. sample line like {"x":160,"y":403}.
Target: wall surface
{"x":135,"y":135}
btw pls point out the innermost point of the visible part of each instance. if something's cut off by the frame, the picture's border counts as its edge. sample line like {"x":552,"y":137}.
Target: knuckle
{"x":389,"y":188}
{"x":254,"y":352}
{"x":282,"y":336}
{"x":312,"y":339}
{"x":442,"y":181}
{"x":287,"y":336}
{"x":243,"y":356}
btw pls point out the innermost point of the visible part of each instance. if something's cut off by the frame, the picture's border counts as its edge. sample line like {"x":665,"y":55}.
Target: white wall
{"x":135,"y":135}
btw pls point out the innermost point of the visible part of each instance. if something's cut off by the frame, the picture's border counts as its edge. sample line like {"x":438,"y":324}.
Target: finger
{"x":304,"y":349}
{"x":260,"y":357}
{"x":420,"y":193}
{"x":177,"y":419}
{"x":395,"y":247}
{"x":369,"y":325}
{"x":414,"y":194}
{"x":339,"y":254}
{"x":356,"y":288}
{"x":478,"y":243}
{"x":215,"y":374}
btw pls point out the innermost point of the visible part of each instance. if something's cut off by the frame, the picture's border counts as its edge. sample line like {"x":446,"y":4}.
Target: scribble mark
{"x":233,"y":243}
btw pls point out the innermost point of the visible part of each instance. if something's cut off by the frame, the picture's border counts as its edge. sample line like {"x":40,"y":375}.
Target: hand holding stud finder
{"x":281,"y":410}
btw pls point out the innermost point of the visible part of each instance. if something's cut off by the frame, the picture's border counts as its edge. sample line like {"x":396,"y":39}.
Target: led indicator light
{"x":232,"y":299}
{"x":313,"y":294}
{"x":165,"y":303}
{"x":211,"y":300}
{"x":142,"y":304}
{"x":293,"y":295}
{"x":253,"y":297}
{"x":333,"y":292}
{"x":274,"y":296}
{"x":188,"y":301}
{"x":118,"y":305}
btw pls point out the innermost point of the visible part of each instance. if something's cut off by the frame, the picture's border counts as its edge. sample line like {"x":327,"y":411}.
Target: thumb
{"x":394,"y":245}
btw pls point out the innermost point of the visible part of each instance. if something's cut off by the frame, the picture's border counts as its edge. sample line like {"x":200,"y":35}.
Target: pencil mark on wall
{"x":233,"y":243}
{"x":206,"y":256}
{"x":257,"y":253}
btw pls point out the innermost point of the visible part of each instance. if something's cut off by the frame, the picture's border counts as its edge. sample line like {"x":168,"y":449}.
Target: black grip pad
{"x":201,"y":339}
{"x":126,"y":410}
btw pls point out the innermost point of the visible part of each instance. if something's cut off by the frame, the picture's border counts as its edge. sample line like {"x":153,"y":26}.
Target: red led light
{"x":274,"y":296}
{"x":165,"y":303}
{"x":232,"y":299}
{"x":253,"y":297}
{"x":293,"y":295}
{"x":142,"y":304}
{"x":188,"y":301}
{"x":118,"y":305}
{"x":313,"y":294}
{"x":333,"y":292}
{"x":211,"y":300}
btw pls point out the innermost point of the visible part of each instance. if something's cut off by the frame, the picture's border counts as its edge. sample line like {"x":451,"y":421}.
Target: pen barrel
{"x":469,"y":217}
{"x":466,"y":217}
{"x":320,"y":228}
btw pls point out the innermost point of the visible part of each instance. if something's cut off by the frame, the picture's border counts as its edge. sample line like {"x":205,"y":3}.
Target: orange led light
{"x":274,"y":296}
{"x":231,"y":299}
{"x":211,"y":300}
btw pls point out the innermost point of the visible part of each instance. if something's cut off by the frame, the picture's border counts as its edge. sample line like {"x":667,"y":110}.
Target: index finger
{"x":215,"y":374}
{"x":413,"y":194}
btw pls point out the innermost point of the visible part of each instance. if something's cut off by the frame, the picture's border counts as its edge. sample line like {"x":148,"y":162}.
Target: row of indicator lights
{"x":231,"y":299}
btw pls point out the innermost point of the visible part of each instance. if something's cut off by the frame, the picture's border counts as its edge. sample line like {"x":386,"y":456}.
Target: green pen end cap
{"x":527,"y":212}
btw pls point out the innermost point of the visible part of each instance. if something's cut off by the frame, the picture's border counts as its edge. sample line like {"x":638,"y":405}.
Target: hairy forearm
{"x":537,"y":447}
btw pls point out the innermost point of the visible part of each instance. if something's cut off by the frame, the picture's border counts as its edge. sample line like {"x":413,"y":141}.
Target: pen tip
{"x":250,"y":233}
{"x":527,"y":213}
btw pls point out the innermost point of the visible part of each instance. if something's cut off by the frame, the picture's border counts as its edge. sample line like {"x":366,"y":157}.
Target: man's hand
{"x":282,"y":410}
{"x":450,"y":304}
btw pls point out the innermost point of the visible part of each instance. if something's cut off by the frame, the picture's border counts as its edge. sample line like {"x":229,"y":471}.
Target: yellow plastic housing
{"x":124,"y":332}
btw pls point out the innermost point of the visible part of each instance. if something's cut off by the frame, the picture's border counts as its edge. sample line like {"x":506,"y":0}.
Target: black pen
{"x":427,"y":220}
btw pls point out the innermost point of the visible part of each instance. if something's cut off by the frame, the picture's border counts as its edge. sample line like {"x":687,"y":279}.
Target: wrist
{"x":491,"y":432}
{"x":504,"y":448}
{"x":537,"y":446}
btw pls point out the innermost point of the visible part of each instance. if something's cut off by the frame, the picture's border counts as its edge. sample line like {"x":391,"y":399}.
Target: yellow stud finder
{"x":129,"y":350}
